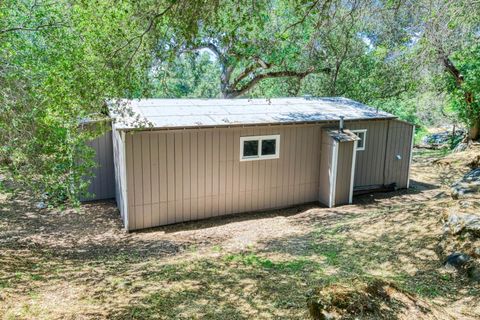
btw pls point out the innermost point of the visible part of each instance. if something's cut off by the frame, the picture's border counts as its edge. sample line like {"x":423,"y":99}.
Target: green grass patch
{"x":4,"y":284}
{"x":431,"y":153}
{"x":251,"y":259}
{"x":37,"y":277}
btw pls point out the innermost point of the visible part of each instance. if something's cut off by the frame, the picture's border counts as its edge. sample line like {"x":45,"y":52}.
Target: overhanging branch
{"x":273,"y":74}
{"x":258,"y":63}
{"x":34,"y":28}
{"x":140,"y":37}
{"x":450,"y":67}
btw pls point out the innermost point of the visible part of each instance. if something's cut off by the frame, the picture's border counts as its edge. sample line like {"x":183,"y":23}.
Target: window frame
{"x":275,"y":137}
{"x":364,"y":131}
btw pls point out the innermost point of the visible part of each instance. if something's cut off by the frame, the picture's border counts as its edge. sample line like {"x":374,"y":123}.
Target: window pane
{"x":361,"y":135}
{"x":268,"y":147}
{"x":250,"y":148}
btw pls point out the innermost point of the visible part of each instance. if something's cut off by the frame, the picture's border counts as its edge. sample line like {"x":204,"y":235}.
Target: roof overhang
{"x":168,"y":114}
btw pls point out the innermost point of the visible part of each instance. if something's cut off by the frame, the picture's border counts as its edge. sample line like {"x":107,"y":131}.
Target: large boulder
{"x":468,"y":186}
{"x":465,"y":264}
{"x":459,"y":247}
{"x":458,"y":260}
{"x":463,"y":223}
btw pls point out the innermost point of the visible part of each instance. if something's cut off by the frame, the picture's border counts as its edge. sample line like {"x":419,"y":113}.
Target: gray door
{"x":397,"y":159}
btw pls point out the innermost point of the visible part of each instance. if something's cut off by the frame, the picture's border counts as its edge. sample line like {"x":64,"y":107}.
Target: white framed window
{"x":362,"y":134}
{"x":259,"y":147}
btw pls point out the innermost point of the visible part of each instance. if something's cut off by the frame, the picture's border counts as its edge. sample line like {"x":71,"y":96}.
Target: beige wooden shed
{"x":177,"y":160}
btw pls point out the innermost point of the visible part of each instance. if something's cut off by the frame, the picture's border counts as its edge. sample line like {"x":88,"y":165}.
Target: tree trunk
{"x":474,"y":130}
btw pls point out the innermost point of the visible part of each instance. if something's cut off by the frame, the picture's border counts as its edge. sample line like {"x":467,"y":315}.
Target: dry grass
{"x":80,"y":265}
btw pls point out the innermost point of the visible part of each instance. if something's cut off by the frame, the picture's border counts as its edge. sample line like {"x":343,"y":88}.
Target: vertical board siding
{"x":178,"y":178}
{"x":208,"y":173}
{"x":215,"y":172}
{"x":154,"y":182}
{"x":398,"y":144}
{"x":162,"y":178}
{"x":193,"y":176}
{"x":186,"y":185}
{"x":186,"y":175}
{"x":170,"y":150}
{"x":326,"y":168}
{"x":377,"y":164}
{"x":102,"y":185}
{"x":120,"y":170}
{"x":344,"y":172}
{"x":147,"y":181}
{"x":129,"y":174}
{"x":175,"y":176}
{"x":201,"y":174}
{"x":138,"y":185}
{"x":370,"y":163}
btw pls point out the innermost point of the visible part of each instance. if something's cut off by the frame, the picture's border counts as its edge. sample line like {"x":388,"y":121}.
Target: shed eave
{"x":240,"y":125}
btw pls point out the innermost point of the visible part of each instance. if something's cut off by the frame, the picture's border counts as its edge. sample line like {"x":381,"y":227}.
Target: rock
{"x":458,"y":260}
{"x":41,"y":205}
{"x":124,"y":284}
{"x":457,"y":224}
{"x":462,"y":146}
{"x":476,"y":252}
{"x":453,"y":225}
{"x":439,"y":138}
{"x":474,"y":273}
{"x":468,"y":185}
{"x":465,"y":264}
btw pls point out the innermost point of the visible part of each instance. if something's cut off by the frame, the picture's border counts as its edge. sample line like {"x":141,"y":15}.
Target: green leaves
{"x":53,"y":76}
{"x":60,"y":61}
{"x":464,"y":96}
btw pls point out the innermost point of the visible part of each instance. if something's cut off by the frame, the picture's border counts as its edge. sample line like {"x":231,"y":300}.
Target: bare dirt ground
{"x":79,"y":264}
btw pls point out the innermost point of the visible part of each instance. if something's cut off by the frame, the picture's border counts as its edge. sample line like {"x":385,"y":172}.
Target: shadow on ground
{"x":67,"y":264}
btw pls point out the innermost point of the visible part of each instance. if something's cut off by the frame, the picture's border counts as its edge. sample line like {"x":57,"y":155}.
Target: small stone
{"x":476,"y":252}
{"x":124,"y":284}
{"x":465,"y":264}
{"x":474,"y":273}
{"x":461,"y":147}
{"x":458,"y":260}
{"x":469,"y":185}
{"x":463,"y":223}
{"x":41,"y":205}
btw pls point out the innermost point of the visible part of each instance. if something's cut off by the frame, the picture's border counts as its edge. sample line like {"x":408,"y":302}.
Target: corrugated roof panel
{"x":181,"y":113}
{"x":238,"y":119}
{"x":184,"y":121}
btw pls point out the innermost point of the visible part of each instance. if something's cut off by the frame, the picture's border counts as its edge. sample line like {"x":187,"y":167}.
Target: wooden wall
{"x":102,"y":185}
{"x":344,"y":172}
{"x":327,"y":169}
{"x":397,"y":160}
{"x":370,"y":163}
{"x":182,"y":175}
{"x":377,"y":164}
{"x":120,"y":174}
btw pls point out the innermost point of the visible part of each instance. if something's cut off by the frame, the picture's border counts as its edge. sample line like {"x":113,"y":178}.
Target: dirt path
{"x":81,"y":265}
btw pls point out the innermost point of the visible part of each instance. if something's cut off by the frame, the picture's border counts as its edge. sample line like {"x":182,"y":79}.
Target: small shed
{"x":177,"y":160}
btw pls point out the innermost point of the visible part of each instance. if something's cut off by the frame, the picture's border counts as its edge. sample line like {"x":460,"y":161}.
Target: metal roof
{"x":195,"y":113}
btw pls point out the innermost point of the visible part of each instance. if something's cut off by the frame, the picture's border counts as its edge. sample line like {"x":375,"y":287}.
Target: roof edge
{"x":240,"y":125}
